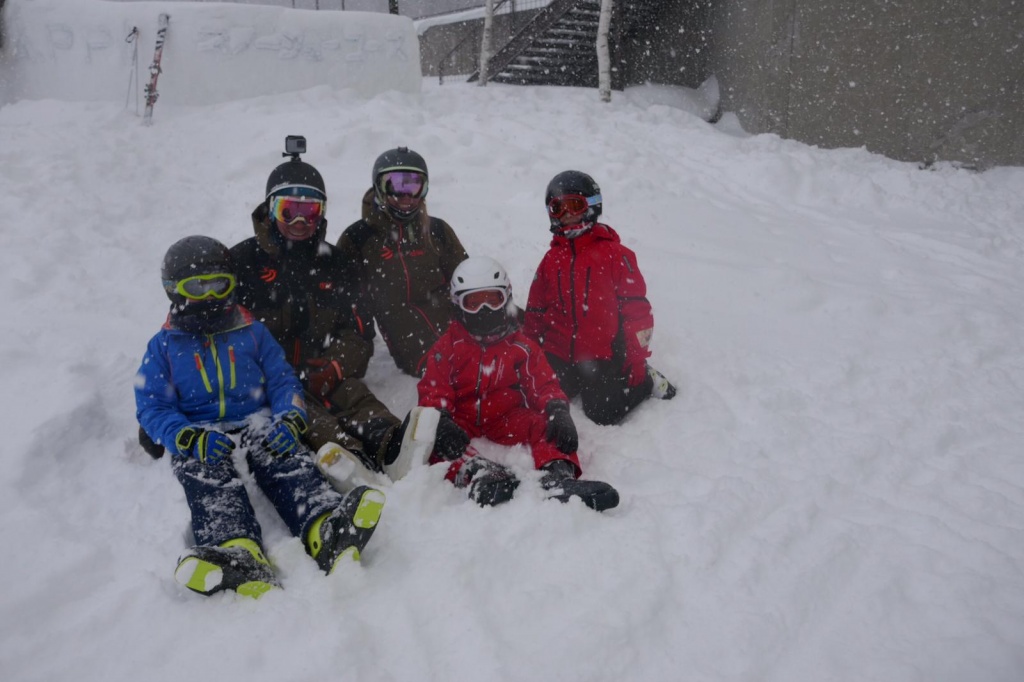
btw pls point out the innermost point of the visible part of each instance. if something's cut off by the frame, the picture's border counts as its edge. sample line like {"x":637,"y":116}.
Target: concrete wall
{"x":672,"y":49}
{"x":916,"y":80}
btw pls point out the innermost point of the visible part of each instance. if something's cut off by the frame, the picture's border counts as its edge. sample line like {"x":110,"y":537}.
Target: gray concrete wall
{"x":917,"y":80}
{"x":672,"y":48}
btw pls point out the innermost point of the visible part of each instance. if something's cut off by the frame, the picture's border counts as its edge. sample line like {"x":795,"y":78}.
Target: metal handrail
{"x":471,"y":33}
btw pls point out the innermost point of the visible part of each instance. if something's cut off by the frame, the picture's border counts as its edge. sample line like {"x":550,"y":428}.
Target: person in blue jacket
{"x":213,"y":377}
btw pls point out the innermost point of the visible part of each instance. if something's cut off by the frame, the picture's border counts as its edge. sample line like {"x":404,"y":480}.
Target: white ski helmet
{"x":482,"y":295}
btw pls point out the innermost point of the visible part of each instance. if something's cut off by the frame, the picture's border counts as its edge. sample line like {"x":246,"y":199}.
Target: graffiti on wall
{"x":34,"y":41}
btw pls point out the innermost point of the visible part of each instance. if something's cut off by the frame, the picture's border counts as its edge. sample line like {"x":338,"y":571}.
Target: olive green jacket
{"x":404,"y":273}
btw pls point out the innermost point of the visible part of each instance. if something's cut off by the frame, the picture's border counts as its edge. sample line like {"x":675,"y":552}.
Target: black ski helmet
{"x":400,"y":158}
{"x":574,"y":182}
{"x":293,"y":174}
{"x":197,"y":255}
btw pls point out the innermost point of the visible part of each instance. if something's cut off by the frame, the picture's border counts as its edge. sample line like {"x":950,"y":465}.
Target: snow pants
{"x":603,"y":386}
{"x":221,"y":509}
{"x":522,"y":426}
{"x":352,"y":417}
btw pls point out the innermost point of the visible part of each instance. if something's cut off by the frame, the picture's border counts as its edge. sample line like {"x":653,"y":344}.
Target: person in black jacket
{"x":307,"y":294}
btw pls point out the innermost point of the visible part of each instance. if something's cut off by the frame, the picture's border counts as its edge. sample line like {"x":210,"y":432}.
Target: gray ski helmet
{"x":398,"y":159}
{"x":295,"y":175}
{"x":575,"y":182}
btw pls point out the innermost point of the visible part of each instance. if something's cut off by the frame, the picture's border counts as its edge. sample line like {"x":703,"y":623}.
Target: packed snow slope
{"x":837,"y":493}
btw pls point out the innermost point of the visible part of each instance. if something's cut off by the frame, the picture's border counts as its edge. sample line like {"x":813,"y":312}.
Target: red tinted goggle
{"x":289,"y":209}
{"x":403,"y":183}
{"x":473,"y":301}
{"x":570,"y":205}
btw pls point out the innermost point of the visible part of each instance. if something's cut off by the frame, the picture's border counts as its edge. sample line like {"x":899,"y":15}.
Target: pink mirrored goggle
{"x":407,"y":183}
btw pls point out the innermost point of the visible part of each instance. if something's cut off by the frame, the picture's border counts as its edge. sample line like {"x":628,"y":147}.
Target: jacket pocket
{"x":202,"y":372}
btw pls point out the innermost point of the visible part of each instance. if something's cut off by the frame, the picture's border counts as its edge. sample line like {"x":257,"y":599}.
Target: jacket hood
{"x":600,"y":231}
{"x":269,"y":239}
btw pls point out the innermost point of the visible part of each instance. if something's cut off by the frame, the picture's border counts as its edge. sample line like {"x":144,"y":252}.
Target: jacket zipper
{"x":479,"y":381}
{"x":586,"y":293}
{"x":202,"y":373}
{"x":220,"y":379}
{"x":408,"y":286}
{"x":231,"y":359}
{"x":561,"y":298}
{"x":572,"y":301}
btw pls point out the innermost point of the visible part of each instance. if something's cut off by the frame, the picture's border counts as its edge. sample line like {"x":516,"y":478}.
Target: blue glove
{"x":209,"y":447}
{"x":283,"y":437}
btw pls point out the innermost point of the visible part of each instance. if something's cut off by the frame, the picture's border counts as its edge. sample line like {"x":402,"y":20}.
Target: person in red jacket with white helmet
{"x":588,"y":307}
{"x":488,"y":379}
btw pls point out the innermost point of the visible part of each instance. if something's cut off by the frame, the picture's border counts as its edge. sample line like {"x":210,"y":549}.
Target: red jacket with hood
{"x":588,"y":301}
{"x":478,"y":384}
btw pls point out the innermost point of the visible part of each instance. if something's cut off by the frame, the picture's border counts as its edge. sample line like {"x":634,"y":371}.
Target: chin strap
{"x":572,"y":231}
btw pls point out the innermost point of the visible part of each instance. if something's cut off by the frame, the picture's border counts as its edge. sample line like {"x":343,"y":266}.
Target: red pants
{"x":519,"y":426}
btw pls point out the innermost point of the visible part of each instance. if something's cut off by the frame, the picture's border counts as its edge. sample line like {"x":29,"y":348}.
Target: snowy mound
{"x":836,"y":494}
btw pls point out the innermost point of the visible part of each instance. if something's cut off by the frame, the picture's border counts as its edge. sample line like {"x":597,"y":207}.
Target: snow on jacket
{"x":307,"y":297}
{"x":404,"y":274}
{"x":479,"y":383}
{"x":588,"y":301}
{"x":188,"y":378}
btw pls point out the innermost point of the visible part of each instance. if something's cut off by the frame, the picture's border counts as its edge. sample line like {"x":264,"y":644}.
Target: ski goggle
{"x":201,"y":287}
{"x":290,"y":209}
{"x":399,"y":183}
{"x":571,"y":205}
{"x":473,"y":301}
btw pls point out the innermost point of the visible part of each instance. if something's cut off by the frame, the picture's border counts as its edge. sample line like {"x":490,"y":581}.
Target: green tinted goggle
{"x":200,"y":287}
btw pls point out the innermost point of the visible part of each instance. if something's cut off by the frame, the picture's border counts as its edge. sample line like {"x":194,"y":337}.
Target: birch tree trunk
{"x":485,"y":46}
{"x":604,"y":71}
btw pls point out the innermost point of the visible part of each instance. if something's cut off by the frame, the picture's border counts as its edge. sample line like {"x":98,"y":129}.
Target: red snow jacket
{"x":588,"y":301}
{"x":479,"y":383}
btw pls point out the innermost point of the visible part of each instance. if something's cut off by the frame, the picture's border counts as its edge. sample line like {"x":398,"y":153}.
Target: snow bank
{"x":77,"y":50}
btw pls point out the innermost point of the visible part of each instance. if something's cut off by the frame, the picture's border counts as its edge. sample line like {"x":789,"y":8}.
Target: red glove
{"x":322,"y":376}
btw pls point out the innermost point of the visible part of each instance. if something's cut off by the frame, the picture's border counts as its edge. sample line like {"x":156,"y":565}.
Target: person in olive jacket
{"x":405,"y":259}
{"x":307,"y":294}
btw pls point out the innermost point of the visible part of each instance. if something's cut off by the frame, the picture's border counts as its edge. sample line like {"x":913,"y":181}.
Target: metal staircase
{"x":558,"y":46}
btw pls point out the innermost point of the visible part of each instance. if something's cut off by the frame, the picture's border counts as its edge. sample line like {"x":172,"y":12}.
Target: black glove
{"x":450,"y":441}
{"x":561,"y":430}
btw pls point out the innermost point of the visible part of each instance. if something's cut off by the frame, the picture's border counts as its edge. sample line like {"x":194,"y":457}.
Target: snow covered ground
{"x":836,"y":494}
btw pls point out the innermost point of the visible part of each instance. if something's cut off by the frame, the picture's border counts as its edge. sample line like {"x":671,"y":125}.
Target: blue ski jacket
{"x":188,"y":378}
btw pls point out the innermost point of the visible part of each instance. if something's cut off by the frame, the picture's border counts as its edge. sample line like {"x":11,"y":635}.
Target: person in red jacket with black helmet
{"x":588,"y":307}
{"x":488,"y":379}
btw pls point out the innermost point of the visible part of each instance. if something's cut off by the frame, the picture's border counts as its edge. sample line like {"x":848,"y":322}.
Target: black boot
{"x":237,"y":564}
{"x":489,"y":483}
{"x":346,"y":530}
{"x":560,"y":480}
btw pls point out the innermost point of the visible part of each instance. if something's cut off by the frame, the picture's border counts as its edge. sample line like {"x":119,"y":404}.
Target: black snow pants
{"x":603,"y":386}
